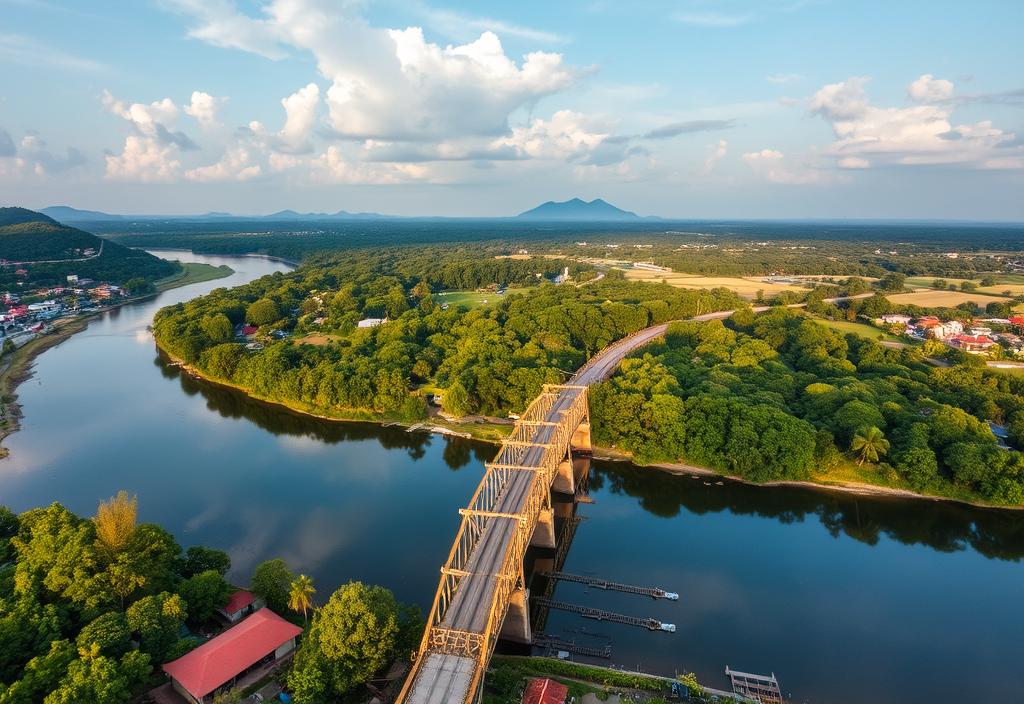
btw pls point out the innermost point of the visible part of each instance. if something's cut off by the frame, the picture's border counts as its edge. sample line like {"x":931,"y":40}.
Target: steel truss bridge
{"x":482,"y":595}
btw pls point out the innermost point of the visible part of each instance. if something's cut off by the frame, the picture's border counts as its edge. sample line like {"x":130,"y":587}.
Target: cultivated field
{"x":943,"y":299}
{"x":742,"y":286}
{"x":1012,"y":283}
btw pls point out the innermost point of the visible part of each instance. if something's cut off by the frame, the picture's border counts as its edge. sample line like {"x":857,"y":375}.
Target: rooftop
{"x":219,"y":660}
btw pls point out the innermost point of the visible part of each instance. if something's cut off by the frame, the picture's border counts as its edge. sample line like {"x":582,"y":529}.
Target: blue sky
{"x":691,"y":108}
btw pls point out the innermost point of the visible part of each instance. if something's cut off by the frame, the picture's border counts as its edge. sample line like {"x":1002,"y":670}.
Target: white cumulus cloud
{"x":203,"y":107}
{"x":923,"y":133}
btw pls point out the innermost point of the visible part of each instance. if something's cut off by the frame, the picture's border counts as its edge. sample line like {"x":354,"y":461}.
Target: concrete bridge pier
{"x":544,"y":533}
{"x":581,"y":437}
{"x":565,"y":478}
{"x":516,"y":627}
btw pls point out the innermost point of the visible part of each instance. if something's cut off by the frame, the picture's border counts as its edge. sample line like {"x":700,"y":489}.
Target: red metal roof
{"x":238,"y":601}
{"x":219,"y":660}
{"x":1017,"y":320}
{"x":979,"y":340}
{"x":544,"y":691}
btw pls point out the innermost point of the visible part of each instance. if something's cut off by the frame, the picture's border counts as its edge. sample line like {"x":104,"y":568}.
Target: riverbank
{"x":494,"y":432}
{"x":16,"y":368}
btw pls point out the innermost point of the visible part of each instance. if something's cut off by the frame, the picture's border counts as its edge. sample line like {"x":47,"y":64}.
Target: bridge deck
{"x":441,"y":677}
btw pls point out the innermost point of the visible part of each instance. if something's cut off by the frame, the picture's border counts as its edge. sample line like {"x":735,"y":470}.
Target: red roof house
{"x":545,"y":691}
{"x":241,"y":604}
{"x":217,"y":664}
{"x":249,"y":330}
{"x":971,"y":343}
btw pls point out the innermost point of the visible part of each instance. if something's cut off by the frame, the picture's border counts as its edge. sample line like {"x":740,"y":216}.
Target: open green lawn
{"x":193,"y":273}
{"x":1013,"y":371}
{"x":859,"y":329}
{"x":473,"y":299}
{"x":1011,"y":284}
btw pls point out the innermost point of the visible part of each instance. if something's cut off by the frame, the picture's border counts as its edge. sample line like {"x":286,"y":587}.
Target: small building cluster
{"x":24,"y":314}
{"x":980,"y":336}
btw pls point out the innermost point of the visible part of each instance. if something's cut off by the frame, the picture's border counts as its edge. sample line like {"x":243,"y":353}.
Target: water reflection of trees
{"x":230,"y":403}
{"x":941,"y":526}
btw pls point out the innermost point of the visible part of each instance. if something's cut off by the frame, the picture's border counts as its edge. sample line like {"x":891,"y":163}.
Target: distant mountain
{"x":64,"y":213}
{"x":49,"y":251}
{"x":577,"y":209}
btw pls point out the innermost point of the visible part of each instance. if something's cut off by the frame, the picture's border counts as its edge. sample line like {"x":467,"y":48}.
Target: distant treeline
{"x":718,"y":248}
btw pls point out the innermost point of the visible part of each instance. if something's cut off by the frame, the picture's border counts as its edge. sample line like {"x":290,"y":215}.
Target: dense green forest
{"x":777,"y":396}
{"x":703,"y":247}
{"x":491,"y":360}
{"x":90,"y":608}
{"x":27,"y":237}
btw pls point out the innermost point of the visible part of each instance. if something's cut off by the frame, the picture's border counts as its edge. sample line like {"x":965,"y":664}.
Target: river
{"x":847,"y":599}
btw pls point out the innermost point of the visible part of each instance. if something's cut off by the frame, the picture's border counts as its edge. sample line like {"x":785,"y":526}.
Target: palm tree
{"x":869,"y":444}
{"x":300,"y":596}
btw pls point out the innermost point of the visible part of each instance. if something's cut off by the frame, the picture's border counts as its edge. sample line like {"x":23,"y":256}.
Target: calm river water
{"x":845,"y":599}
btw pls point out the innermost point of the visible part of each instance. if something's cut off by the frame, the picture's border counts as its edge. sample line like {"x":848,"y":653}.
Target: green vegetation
{"x":494,"y":359}
{"x":76,"y":592}
{"x":27,"y":237}
{"x":194,"y":273}
{"x":860,"y":329}
{"x":507,"y":678}
{"x":778,"y":396}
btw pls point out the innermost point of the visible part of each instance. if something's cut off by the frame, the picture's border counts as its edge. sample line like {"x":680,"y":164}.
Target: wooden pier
{"x":544,"y":640}
{"x":598,"y":583}
{"x":651,"y":624}
{"x":761,"y":688}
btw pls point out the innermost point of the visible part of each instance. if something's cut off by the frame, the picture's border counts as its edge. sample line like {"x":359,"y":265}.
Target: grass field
{"x":943,"y":299}
{"x":193,"y":273}
{"x":1012,"y":283}
{"x":473,"y":299}
{"x":859,"y":329}
{"x":318,"y":340}
{"x":741,"y":286}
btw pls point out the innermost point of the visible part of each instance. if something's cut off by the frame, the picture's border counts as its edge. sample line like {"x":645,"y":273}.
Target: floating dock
{"x":544,"y":640}
{"x":598,"y":583}
{"x":760,"y":688}
{"x":651,"y":624}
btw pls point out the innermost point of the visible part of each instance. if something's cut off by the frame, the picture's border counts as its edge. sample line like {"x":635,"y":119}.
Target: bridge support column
{"x":544,"y":533}
{"x":565,"y":480}
{"x":516,"y":627}
{"x":581,"y":438}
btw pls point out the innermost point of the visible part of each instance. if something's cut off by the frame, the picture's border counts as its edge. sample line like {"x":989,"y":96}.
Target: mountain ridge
{"x":579,"y":210}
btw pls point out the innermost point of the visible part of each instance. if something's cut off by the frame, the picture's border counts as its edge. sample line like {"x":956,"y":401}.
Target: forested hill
{"x":49,"y":252}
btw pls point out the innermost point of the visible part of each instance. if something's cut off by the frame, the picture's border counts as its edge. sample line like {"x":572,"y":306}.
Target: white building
{"x":371,"y":322}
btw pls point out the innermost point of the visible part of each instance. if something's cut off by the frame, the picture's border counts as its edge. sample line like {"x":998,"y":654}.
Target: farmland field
{"x":1014,"y":283}
{"x":745,"y":287}
{"x":943,"y":299}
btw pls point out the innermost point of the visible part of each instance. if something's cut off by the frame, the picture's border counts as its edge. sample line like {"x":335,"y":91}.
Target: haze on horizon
{"x":688,"y":109}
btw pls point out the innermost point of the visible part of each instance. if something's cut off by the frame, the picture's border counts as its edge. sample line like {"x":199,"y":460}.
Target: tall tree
{"x":271,"y":581}
{"x":352,"y":637}
{"x":869,"y":444}
{"x":300,"y":596}
{"x":116,"y":520}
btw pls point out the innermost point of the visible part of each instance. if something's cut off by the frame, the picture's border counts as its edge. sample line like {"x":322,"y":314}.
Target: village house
{"x":935,"y":328}
{"x":221,"y":663}
{"x":973,"y":344}
{"x":544,"y":691}
{"x":896,"y":319}
{"x":371,"y":322}
{"x":241,"y":604}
